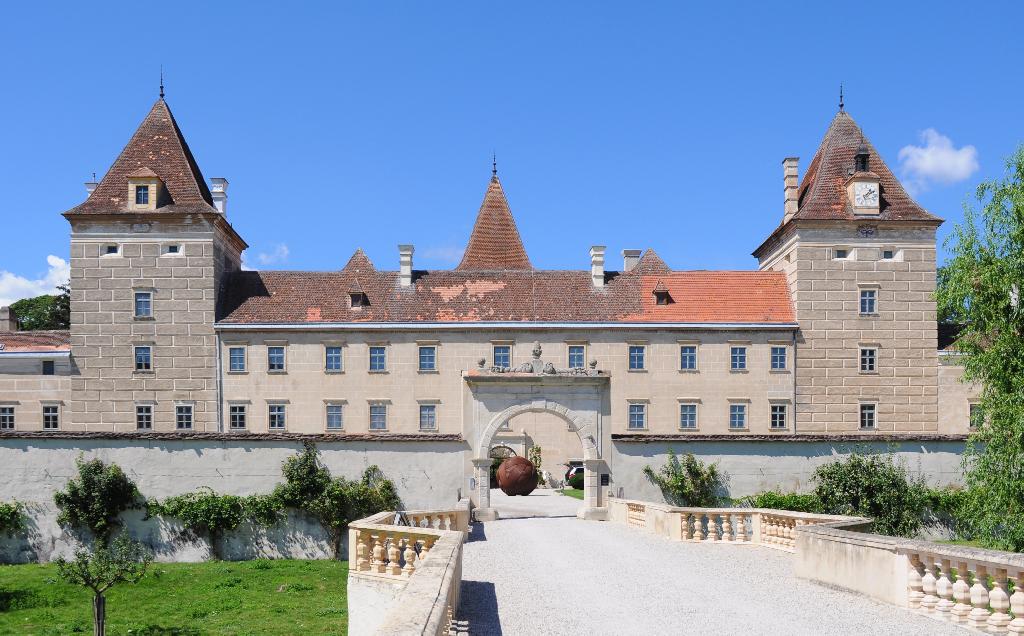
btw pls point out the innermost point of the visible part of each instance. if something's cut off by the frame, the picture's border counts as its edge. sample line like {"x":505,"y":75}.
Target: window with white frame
{"x":888,"y":255}
{"x":51,"y":417}
{"x":868,"y":416}
{"x":378,"y":416}
{"x":687,"y":415}
{"x":778,"y":416}
{"x":502,"y":356}
{"x":688,"y":357}
{"x":143,"y":358}
{"x":276,"y":414}
{"x":840,"y":253}
{"x":275,"y":358}
{"x":335,"y":417}
{"x":778,"y":358}
{"x":332,"y":358}
{"x":6,"y":418}
{"x":143,"y":417}
{"x":378,"y":359}
{"x":236,"y":359}
{"x":428,"y":417}
{"x":868,"y":302}
{"x":637,"y":415}
{"x":111,"y":250}
{"x":737,"y":358}
{"x":183,"y":417}
{"x":577,"y":353}
{"x":737,"y":416}
{"x":637,"y":357}
{"x":237,"y":417}
{"x":427,"y":358}
{"x":868,"y":359}
{"x":143,"y":304}
{"x":142,"y":195}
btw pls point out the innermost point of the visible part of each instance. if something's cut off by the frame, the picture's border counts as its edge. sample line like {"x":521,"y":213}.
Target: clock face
{"x":865,"y":195}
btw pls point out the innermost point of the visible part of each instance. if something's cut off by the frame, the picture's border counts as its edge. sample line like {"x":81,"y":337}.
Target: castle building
{"x":832,"y":339}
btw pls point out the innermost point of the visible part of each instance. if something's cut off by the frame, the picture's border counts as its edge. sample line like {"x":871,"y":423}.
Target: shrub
{"x":12,"y":518}
{"x":305,"y":478}
{"x":873,"y":486}
{"x":94,"y":500}
{"x":687,"y":481}
{"x":209,"y":514}
{"x":772,"y":499}
{"x":576,"y":481}
{"x":344,"y":501}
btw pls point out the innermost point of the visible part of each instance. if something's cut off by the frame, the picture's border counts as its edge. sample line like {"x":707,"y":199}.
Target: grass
{"x":184,"y":599}
{"x":575,"y":493}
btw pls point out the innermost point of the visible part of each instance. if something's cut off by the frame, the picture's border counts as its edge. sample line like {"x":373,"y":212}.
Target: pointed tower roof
{"x":495,"y":243}
{"x":822,"y":192}
{"x":157,"y":148}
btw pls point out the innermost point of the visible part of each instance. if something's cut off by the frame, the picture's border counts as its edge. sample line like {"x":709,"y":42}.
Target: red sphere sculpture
{"x":517,"y":476}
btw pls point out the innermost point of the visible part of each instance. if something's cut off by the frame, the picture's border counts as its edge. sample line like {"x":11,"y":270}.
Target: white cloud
{"x":14,"y":287}
{"x":276,"y":256}
{"x":447,"y":255}
{"x":936,"y":161}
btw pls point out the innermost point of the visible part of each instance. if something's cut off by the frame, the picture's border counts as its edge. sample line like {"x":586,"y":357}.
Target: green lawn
{"x":575,"y":493}
{"x":184,"y":599}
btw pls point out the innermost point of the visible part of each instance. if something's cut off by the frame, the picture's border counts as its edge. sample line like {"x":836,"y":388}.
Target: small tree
{"x":123,"y":561}
{"x":94,"y":500}
{"x":305,"y":478}
{"x":535,"y":456}
{"x":12,"y":517}
{"x":687,"y":481}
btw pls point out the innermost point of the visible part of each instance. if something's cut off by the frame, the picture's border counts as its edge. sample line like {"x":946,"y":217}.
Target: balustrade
{"x":636,"y":515}
{"x":391,"y":550}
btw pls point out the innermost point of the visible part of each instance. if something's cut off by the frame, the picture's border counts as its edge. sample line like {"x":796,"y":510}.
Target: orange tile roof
{"x":34,"y":341}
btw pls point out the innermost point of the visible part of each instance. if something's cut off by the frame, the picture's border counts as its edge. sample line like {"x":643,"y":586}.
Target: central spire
{"x":495,"y":243}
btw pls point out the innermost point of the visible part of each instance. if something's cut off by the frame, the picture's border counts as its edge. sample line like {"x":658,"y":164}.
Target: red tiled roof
{"x":156,"y":149}
{"x":495,"y":242}
{"x":706,"y":296}
{"x":34,"y":341}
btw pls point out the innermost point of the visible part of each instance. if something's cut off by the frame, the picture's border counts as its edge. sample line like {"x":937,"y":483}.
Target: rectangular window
{"x":378,"y":417}
{"x":738,"y":358}
{"x":183,"y":417}
{"x":888,"y":255}
{"x":143,"y":304}
{"x":332,"y":359}
{"x":636,"y":357}
{"x":48,"y":367}
{"x":276,"y":421}
{"x":378,"y":359}
{"x":868,"y":301}
{"x":144,"y":417}
{"x":173,"y":249}
{"x":778,"y":419}
{"x":428,"y":358}
{"x":737,"y":416}
{"x":428,"y":417}
{"x":977,"y":417}
{"x":275,"y":358}
{"x":6,"y":418}
{"x":143,"y":358}
{"x":778,"y":358}
{"x":688,"y":416}
{"x":51,"y":418}
{"x":236,"y":417}
{"x":110,"y":250}
{"x":867,"y":360}
{"x":335,"y":417}
{"x":841,"y":254}
{"x":576,"y":354}
{"x":867,"y":416}
{"x":236,"y":359}
{"x":142,"y":195}
{"x":637,"y":416}
{"x":502,"y":356}
{"x":688,"y":357}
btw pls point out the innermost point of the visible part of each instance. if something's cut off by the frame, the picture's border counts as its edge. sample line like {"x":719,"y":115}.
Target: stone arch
{"x":584,"y":427}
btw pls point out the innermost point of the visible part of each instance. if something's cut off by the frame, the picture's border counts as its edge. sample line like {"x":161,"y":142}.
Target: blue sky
{"x":634,"y":125}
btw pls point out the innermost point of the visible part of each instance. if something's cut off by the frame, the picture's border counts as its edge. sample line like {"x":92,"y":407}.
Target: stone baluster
{"x":379,"y":563}
{"x":425,"y":545}
{"x":928,"y":584}
{"x":961,"y":594}
{"x":698,"y":527}
{"x":712,"y":536}
{"x":394,"y":566}
{"x":999,"y":602}
{"x":766,"y":529}
{"x":727,"y":527}
{"x":1016,"y":626}
{"x":741,"y":527}
{"x":362,"y":549}
{"x":773,"y":530}
{"x":979,"y":599}
{"x":684,"y":520}
{"x":789,"y":532}
{"x":410,"y":557}
{"x":944,"y":590}
{"x":914,"y":594}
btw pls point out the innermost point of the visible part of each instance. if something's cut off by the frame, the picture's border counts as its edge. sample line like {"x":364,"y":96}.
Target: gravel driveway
{"x":560,"y":575}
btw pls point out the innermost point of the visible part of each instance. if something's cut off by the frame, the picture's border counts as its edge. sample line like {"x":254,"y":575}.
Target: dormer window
{"x":661,"y":295}
{"x":359,"y":299}
{"x":143,"y":189}
{"x":142,"y":195}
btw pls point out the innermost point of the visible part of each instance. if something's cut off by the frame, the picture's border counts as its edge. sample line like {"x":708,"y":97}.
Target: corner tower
{"x":150,"y":251}
{"x":859,"y":256}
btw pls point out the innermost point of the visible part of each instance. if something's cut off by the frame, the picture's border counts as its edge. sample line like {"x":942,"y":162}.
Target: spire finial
{"x":161,"y":81}
{"x":840,"y":98}
{"x":494,"y":164}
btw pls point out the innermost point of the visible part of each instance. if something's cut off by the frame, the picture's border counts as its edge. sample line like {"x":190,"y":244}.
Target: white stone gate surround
{"x":578,"y":397}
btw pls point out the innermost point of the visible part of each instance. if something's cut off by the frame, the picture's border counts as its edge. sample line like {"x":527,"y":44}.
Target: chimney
{"x":405,"y":264}
{"x":629,"y":259}
{"x":791,"y":178}
{"x":8,"y":321}
{"x":90,"y":186}
{"x":597,"y":265}
{"x":219,"y":190}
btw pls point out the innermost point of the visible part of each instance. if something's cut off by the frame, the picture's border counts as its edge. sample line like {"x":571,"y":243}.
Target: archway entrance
{"x":578,"y":397}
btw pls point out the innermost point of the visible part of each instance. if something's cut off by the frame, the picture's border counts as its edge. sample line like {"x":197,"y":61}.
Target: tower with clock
{"x":863,"y":188}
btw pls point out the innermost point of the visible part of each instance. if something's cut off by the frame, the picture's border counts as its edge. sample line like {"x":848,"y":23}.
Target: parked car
{"x":574,"y":468}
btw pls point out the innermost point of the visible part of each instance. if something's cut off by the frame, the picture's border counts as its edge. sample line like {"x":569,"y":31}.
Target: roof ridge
{"x":495,"y":243}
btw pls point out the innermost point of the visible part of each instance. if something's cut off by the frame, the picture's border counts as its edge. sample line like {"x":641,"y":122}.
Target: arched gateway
{"x":577,"y":396}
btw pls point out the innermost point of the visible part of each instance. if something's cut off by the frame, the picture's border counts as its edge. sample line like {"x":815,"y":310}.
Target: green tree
{"x":123,"y":561}
{"x":44,"y":312}
{"x":983,"y":284}
{"x":96,"y":498}
{"x":687,"y":481}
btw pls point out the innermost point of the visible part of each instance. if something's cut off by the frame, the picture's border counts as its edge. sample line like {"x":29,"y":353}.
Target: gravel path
{"x":536,"y":575}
